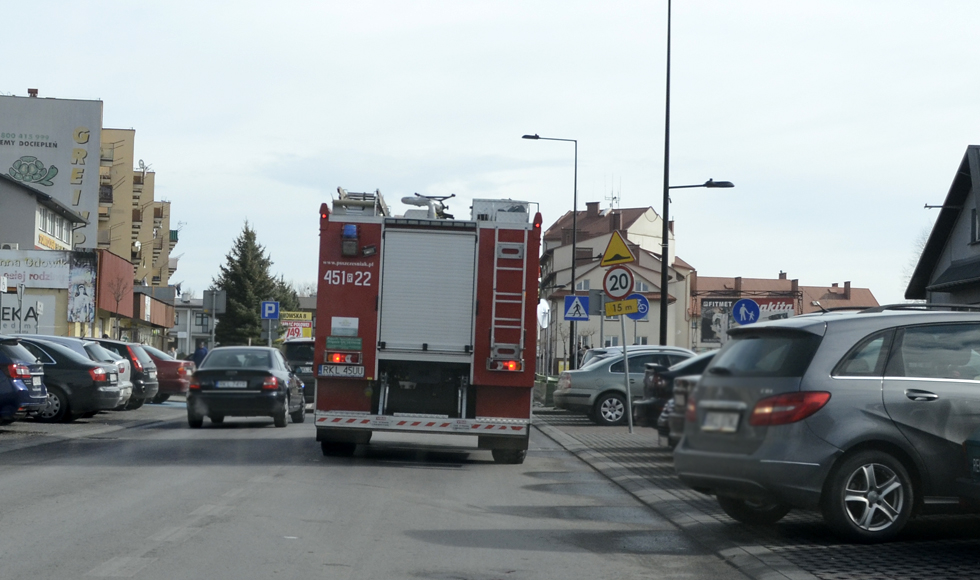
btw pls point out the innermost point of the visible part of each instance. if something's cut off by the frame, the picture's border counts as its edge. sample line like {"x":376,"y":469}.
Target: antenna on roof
{"x":612,"y":198}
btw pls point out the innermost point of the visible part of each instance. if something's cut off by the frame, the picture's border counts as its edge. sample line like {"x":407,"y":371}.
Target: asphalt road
{"x":140,"y":495}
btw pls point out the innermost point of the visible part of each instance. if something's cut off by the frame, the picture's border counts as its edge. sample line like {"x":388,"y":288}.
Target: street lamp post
{"x":572,"y":352}
{"x":664,"y":262}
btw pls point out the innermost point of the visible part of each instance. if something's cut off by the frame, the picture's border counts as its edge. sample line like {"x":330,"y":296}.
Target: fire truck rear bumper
{"x":482,"y":426}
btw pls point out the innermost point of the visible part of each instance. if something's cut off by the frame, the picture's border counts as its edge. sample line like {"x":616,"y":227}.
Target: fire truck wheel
{"x":337,"y":448}
{"x":509,"y":456}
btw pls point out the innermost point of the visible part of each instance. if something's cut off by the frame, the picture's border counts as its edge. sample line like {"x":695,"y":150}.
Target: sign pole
{"x":626,"y":375}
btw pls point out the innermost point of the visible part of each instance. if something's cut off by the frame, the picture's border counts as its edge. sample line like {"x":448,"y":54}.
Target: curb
{"x":756,"y":562}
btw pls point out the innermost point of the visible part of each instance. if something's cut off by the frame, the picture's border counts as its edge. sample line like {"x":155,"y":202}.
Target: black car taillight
{"x":787,"y":408}
{"x":270,"y":383}
{"x":137,"y":365}
{"x":97,"y":373}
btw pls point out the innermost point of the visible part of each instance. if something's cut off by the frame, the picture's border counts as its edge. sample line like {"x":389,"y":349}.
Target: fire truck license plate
{"x":341,"y":371}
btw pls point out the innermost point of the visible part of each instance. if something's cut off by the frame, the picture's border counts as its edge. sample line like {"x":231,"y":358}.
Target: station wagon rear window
{"x":769,"y":354}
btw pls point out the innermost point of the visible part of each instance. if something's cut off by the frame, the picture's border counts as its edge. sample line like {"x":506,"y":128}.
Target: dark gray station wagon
{"x":859,"y":415}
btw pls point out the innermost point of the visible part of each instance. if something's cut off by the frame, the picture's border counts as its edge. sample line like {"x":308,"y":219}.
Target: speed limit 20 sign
{"x":618,"y":282}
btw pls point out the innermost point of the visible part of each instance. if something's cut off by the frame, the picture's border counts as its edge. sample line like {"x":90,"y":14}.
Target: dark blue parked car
{"x":22,"y":389}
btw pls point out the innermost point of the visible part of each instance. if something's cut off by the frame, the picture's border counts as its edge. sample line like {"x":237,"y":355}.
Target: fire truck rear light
{"x":506,"y":365}
{"x":344,"y":358}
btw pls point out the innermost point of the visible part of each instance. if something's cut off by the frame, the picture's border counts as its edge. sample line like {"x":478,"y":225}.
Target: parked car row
{"x":58,"y":379}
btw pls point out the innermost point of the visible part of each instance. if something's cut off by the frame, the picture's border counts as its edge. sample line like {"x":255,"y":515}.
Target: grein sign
{"x":53,"y":146}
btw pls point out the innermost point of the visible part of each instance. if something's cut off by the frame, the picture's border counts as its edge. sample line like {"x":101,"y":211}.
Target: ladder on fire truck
{"x":508,"y":251}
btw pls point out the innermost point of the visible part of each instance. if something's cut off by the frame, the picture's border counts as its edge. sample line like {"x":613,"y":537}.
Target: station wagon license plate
{"x":231,"y":384}
{"x":353,"y":371}
{"x":304,"y":370}
{"x":720,"y":422}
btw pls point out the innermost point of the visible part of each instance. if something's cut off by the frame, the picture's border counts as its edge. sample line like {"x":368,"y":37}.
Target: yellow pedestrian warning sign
{"x":616,"y":252}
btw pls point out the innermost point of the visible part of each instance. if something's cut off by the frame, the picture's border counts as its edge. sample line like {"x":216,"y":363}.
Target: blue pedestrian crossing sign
{"x":745,"y":311}
{"x":576,"y":308}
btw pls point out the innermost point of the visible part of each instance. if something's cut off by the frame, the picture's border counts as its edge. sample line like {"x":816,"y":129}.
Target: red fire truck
{"x":426,"y":323}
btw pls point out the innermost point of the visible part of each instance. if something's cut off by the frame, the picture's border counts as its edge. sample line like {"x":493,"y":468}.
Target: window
{"x":642,"y":286}
{"x":202,"y":320}
{"x":867,"y":359}
{"x":638,"y":363}
{"x":947,"y":351}
{"x":608,"y":341}
{"x":766,"y":354}
{"x":42,"y":356}
{"x":582,"y":285}
{"x":640,"y":340}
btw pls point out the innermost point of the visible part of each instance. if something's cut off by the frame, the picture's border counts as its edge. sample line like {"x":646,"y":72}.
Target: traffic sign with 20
{"x":618,"y":282}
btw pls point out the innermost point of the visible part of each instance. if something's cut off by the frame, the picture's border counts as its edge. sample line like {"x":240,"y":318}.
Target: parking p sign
{"x":270,"y":310}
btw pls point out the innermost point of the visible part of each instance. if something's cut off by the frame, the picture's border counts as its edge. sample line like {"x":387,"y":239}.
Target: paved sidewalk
{"x":800,"y":547}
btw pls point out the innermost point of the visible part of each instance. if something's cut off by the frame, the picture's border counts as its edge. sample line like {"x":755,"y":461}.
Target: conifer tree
{"x":247,"y":281}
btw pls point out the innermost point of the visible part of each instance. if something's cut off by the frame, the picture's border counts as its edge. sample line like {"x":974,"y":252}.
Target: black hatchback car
{"x":244,"y":381}
{"x":77,"y":385}
{"x":144,"y":375}
{"x":22,"y":389}
{"x":658,"y":389}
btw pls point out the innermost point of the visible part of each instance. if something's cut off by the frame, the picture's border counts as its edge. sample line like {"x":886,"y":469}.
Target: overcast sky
{"x":836,"y":120}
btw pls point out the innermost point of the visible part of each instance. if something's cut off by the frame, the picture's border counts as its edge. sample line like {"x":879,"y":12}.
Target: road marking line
{"x":121,"y":567}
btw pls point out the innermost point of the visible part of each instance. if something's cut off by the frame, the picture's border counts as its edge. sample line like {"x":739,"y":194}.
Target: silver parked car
{"x":598,"y":388}
{"x":859,"y":415}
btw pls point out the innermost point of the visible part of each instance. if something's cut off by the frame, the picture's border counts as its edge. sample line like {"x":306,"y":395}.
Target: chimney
{"x":670,"y":226}
{"x":694,"y":282}
{"x":782,"y":275}
{"x":833,"y":287}
{"x":32,"y":93}
{"x":796,"y":287}
{"x":847,"y":290}
{"x":592,"y":209}
{"x":738,"y":286}
{"x":615,"y":221}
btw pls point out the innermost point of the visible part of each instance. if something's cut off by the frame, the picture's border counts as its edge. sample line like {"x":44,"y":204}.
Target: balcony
{"x":105,"y":194}
{"x":103,"y":215}
{"x":104,"y":239}
{"x":107,"y":155}
{"x":173,"y":238}
{"x":172,"y":265}
{"x":137,"y":183}
{"x":137,"y":218}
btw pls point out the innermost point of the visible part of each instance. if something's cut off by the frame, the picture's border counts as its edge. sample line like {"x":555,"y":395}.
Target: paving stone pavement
{"x":800,"y":547}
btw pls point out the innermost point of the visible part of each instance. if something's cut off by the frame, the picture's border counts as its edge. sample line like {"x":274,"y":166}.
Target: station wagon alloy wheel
{"x":874,"y":497}
{"x":871,"y":497}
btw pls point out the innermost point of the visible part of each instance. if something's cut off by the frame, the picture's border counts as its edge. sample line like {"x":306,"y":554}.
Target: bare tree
{"x":118,"y":288}
{"x":918,"y":246}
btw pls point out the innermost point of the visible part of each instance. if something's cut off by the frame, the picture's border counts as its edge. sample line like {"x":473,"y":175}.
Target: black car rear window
{"x":769,"y":354}
{"x":16,"y":351}
{"x":141,"y":354}
{"x":97,"y":352}
{"x":302,"y":351}
{"x":237,"y":358}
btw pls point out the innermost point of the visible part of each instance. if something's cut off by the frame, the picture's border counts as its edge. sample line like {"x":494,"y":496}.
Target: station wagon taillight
{"x":787,"y":408}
